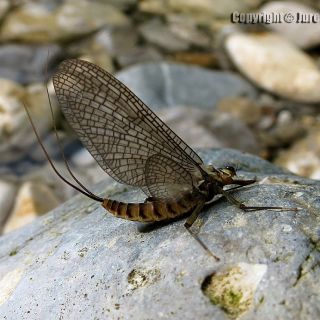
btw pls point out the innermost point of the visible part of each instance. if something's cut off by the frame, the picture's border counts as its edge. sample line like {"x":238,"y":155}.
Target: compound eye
{"x":230,"y":170}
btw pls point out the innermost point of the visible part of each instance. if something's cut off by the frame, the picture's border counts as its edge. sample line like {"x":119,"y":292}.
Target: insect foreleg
{"x":243,"y":207}
{"x":188,"y":224}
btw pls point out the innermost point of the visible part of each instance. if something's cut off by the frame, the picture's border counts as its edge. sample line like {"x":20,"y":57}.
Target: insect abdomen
{"x":149,"y":211}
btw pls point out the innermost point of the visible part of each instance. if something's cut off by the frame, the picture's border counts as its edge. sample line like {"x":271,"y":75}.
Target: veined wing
{"x":117,"y":128}
{"x":166,"y":178}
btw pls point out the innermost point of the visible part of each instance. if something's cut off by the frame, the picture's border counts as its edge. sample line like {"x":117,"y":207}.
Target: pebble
{"x":139,"y":55}
{"x":4,"y":8}
{"x":117,"y":41}
{"x":107,"y":44}
{"x":242,"y":108}
{"x":304,"y":35}
{"x":168,"y":84}
{"x":203,"y":10}
{"x":239,"y":282}
{"x":186,"y":28}
{"x":45,"y":175}
{"x":276,"y":65}
{"x":27,"y":64}
{"x":8,"y":190}
{"x":159,"y":34}
{"x":33,"y":199}
{"x":43,"y":22}
{"x":14,"y":123}
{"x":187,"y":123}
{"x":201,"y":59}
{"x":284,"y":130}
{"x":122,"y":4}
{"x":232,"y":132}
{"x":303,"y":157}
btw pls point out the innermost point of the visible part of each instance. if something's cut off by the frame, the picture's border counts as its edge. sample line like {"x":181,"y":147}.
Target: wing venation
{"x":117,"y":128}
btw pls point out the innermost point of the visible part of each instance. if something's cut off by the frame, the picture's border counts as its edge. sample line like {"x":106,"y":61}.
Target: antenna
{"x":90,"y":195}
{"x":81,"y":188}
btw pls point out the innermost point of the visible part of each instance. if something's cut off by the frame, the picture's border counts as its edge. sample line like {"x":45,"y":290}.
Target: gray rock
{"x":59,"y":21}
{"x":164,"y":84}
{"x":80,"y":262}
{"x":159,"y":34}
{"x":303,"y":156}
{"x":4,"y":7}
{"x":8,"y":191}
{"x":204,"y":10}
{"x":138,"y":55}
{"x":232,"y":132}
{"x":16,"y":135}
{"x":25,"y":64}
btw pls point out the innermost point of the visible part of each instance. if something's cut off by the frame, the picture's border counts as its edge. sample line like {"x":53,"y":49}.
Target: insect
{"x":136,"y":148}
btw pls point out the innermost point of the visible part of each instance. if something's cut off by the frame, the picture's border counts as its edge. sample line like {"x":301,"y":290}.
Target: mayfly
{"x":136,"y":148}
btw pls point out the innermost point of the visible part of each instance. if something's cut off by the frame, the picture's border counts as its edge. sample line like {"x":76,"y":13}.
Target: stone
{"x":285,"y":130}
{"x":233,"y":289}
{"x":159,"y":34}
{"x":117,"y":41}
{"x":44,"y":175}
{"x":8,"y":190}
{"x":105,"y":45}
{"x":201,"y":59}
{"x":187,"y":122}
{"x":16,"y":135}
{"x":27,"y":64}
{"x":167,"y":84}
{"x":276,"y":65}
{"x":241,"y":108}
{"x":43,"y":22}
{"x":302,"y":157}
{"x":33,"y":199}
{"x":82,"y":158}
{"x":125,"y":270}
{"x":304,"y":33}
{"x":232,"y":132}
{"x":187,"y":29}
{"x":200,"y":10}
{"x":139,"y":55}
{"x":122,"y":4}
{"x":4,"y":8}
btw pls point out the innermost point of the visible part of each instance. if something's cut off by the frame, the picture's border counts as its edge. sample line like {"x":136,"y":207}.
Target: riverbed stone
{"x":275,"y":64}
{"x":169,"y":84}
{"x":79,"y":261}
{"x":27,"y":64}
{"x":59,"y":21}
{"x":303,"y":32}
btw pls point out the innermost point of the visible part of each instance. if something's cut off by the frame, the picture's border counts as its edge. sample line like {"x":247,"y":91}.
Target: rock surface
{"x":304,"y":33}
{"x":167,"y":84}
{"x":79,"y":262}
{"x":275,"y":65}
{"x":25,"y":64}
{"x":61,"y":21}
{"x":33,"y":199}
{"x":303,"y":158}
{"x":16,"y":135}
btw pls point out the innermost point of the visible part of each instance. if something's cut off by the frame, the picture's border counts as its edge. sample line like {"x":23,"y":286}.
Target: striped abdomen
{"x":153,"y":210}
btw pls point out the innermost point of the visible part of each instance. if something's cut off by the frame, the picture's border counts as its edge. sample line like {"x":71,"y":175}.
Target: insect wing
{"x":166,"y":178}
{"x":117,"y":128}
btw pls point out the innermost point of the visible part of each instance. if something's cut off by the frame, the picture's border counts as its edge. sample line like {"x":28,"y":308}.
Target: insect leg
{"x":188,"y":224}
{"x":243,"y":207}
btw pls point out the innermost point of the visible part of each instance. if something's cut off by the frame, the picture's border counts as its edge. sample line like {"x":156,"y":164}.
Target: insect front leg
{"x":188,"y":224}
{"x":243,"y":207}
